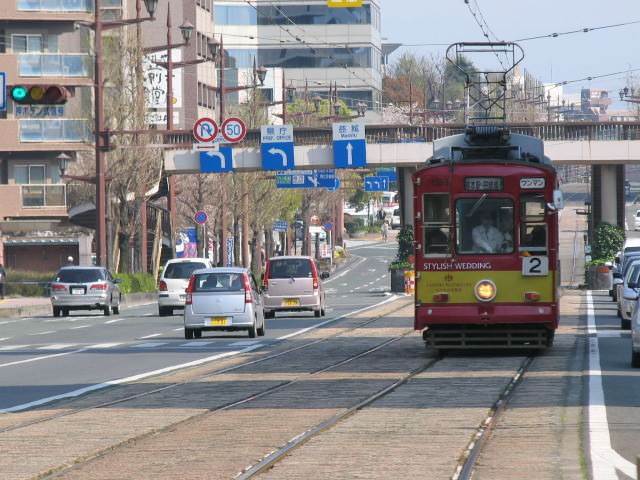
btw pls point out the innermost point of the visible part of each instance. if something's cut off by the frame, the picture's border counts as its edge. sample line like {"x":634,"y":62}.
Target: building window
{"x":206,"y":96}
{"x":205,"y":4}
{"x":28,"y":174}
{"x":202,"y":49}
{"x":285,"y":14}
{"x":22,"y":43}
{"x":358,"y":57}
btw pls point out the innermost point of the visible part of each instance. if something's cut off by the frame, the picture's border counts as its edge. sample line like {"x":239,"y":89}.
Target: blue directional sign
{"x":326,"y":178}
{"x":306,"y":179}
{"x":376,"y":184}
{"x":349,"y":145}
{"x":277,"y":147}
{"x":280,"y":226}
{"x":216,"y":161}
{"x":3,"y":91}
{"x":388,"y":172}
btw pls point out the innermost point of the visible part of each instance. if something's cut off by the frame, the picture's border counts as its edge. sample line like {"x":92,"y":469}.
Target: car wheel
{"x":625,"y":324}
{"x":65,"y":312}
{"x":269,"y":314}
{"x":635,"y":359}
{"x":262,"y":329}
{"x":188,"y":333}
{"x":56,"y":311}
{"x":116,"y":309}
{"x":252,"y":331}
{"x":197,"y":333}
{"x":107,"y":310}
{"x":317,"y":313}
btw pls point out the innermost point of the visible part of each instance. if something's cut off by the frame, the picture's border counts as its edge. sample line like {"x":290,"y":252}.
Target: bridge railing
{"x":380,"y":134}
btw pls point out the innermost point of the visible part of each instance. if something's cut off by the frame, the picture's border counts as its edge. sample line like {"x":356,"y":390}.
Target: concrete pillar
{"x":607,"y":194}
{"x":405,"y":194}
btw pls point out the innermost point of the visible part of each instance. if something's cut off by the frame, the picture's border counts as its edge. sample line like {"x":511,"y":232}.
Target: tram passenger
{"x":486,"y":237}
{"x":507,"y":233}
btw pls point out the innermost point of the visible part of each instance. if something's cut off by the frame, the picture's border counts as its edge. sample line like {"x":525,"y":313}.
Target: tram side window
{"x":533,"y":229}
{"x":436,"y":221}
{"x":484,"y":225}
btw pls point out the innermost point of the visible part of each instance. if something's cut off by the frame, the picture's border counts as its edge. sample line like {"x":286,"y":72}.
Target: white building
{"x":313,"y":44}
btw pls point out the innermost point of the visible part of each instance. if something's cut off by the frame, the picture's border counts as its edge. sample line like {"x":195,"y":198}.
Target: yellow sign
{"x":344,"y":3}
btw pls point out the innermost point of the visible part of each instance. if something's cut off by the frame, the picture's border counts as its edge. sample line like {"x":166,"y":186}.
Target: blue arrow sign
{"x":277,"y":147}
{"x":216,"y":161}
{"x":349,"y":145}
{"x":326,"y":178}
{"x":376,"y":184}
{"x":388,"y":172}
{"x":280,"y":226}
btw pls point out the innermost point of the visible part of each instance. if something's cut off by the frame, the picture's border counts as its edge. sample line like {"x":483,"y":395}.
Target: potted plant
{"x":607,"y":240}
{"x":402,"y":263}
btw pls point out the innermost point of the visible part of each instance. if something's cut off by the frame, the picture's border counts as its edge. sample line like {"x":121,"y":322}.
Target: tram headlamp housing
{"x":485,"y":290}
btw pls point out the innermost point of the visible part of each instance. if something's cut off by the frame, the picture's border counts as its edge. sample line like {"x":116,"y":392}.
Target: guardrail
{"x":379,"y":134}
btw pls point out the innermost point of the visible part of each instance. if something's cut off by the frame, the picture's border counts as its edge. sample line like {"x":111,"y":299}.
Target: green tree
{"x":607,"y":241}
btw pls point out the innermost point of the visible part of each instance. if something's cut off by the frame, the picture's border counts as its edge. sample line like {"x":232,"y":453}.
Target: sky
{"x":559,"y":59}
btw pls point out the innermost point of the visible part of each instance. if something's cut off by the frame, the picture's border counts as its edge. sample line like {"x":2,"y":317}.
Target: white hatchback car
{"x":635,"y":337}
{"x":174,"y":280}
{"x":636,"y":220}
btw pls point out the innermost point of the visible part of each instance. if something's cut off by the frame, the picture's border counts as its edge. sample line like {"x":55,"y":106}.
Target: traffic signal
{"x":39,"y":94}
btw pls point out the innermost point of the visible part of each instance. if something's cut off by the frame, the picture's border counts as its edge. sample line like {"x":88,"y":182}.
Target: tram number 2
{"x":535,"y":266}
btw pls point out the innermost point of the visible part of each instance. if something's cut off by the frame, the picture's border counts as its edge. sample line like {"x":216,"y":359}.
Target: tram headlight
{"x":485,"y":290}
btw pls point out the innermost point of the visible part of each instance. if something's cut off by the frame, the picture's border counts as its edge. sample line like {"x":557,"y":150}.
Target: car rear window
{"x":84,"y":275}
{"x":290,"y":268}
{"x":182,"y":270}
{"x":218,"y":282}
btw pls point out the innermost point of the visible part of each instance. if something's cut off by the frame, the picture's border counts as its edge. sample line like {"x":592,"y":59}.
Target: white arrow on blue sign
{"x":349,"y":145}
{"x":216,"y":161}
{"x":376,"y":184}
{"x":306,"y":179}
{"x":280,"y":226}
{"x":277,"y":147}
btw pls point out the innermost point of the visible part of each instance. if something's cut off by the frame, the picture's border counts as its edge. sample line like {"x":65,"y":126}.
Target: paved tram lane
{"x":45,"y":357}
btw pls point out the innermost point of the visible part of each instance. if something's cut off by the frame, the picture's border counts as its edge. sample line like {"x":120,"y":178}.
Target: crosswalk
{"x":125,"y":345}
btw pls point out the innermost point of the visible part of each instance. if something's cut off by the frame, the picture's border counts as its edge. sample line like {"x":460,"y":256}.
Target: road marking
{"x":108,"y":322}
{"x":195,"y":344}
{"x":103,"y":345}
{"x":4,"y":338}
{"x":150,"y":336}
{"x":42,"y":357}
{"x":244,"y":343}
{"x":344,"y":272}
{"x":178,"y":329}
{"x":79,"y":327}
{"x":57,"y":346}
{"x":43,"y":333}
{"x":604,"y":459}
{"x":133,"y":378}
{"x":149,"y":345}
{"x":13,"y":347}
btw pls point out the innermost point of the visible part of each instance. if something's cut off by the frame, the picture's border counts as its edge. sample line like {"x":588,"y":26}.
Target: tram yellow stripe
{"x":510,"y":285}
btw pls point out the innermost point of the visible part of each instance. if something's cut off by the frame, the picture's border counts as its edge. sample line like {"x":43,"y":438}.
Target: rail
{"x":380,"y":134}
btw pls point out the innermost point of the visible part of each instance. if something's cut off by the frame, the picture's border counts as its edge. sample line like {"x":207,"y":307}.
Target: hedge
{"x":136,"y":282}
{"x":28,"y":284}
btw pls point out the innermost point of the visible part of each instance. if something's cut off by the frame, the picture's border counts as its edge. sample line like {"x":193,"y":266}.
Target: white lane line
{"x":244,"y":343}
{"x":153,"y":335}
{"x":57,"y":346}
{"x":103,"y":346}
{"x":604,"y":459}
{"x":108,"y":322}
{"x":43,"y":357}
{"x":357,"y":288}
{"x":79,"y":327}
{"x":119,"y":381}
{"x":13,"y":347}
{"x":178,"y":329}
{"x":326,"y":322}
{"x":43,"y":333}
{"x":195,"y":344}
{"x":343,"y":273}
{"x":149,"y":345}
{"x":4,"y":338}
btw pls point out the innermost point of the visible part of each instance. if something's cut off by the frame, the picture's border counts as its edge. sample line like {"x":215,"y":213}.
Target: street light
{"x":63,"y":162}
{"x":186,"y":29}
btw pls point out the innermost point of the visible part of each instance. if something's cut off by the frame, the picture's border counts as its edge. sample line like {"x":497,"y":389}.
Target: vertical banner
{"x":229,"y":252}
{"x":187,"y":243}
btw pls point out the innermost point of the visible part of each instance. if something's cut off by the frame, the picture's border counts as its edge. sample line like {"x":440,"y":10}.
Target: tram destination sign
{"x":483,"y":184}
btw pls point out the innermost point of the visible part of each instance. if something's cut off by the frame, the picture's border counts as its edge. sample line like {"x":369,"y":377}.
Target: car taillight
{"x":163,"y":286}
{"x":314,"y":272}
{"x":247,"y":288}
{"x":189,"y":290}
{"x":98,"y":286}
{"x":56,"y":287}
{"x":315,"y":283}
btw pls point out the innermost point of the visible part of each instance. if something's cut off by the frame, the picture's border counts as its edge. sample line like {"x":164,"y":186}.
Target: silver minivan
{"x":85,"y":288}
{"x":292,"y":284}
{"x":223,"y":299}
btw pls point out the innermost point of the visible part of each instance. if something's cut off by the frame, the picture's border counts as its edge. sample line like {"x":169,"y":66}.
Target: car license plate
{"x":218,"y":321}
{"x":291,"y":302}
{"x":183,"y":297}
{"x":77,"y":291}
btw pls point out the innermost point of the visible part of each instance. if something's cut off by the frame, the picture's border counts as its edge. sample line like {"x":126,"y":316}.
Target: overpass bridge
{"x":605,"y":146}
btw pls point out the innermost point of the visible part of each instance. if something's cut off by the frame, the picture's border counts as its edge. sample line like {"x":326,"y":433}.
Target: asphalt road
{"x":45,"y":357}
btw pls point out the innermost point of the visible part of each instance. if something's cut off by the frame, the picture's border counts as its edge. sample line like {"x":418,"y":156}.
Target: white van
{"x":630,"y":245}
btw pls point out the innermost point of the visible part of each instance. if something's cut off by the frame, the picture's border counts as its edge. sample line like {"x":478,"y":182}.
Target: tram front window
{"x":533,"y":233}
{"x":437,"y":220}
{"x":484,"y":225}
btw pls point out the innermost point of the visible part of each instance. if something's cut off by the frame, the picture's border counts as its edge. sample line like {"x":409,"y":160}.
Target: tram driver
{"x":486,"y":237}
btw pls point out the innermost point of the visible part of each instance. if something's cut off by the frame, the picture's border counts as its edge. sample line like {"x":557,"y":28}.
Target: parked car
{"x":223,"y":299}
{"x":85,"y":288}
{"x":173,"y":283}
{"x":620,"y":272}
{"x":628,"y":294}
{"x":292,"y":284}
{"x":395,"y":218}
{"x":635,"y":337}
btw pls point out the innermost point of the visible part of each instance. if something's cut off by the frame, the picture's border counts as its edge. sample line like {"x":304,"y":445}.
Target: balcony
{"x":64,"y":6}
{"x":22,"y":201}
{"x":54,"y":130}
{"x":66,"y":65}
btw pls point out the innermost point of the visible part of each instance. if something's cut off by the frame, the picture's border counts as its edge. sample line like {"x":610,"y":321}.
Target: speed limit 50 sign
{"x":233,"y":130}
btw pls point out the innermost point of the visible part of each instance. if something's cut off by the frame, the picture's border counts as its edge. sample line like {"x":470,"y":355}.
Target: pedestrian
{"x":69,"y":260}
{"x":385,"y":230}
{"x":3,"y":279}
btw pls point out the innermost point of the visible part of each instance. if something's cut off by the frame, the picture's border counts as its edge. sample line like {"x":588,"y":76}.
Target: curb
{"x":130,"y":300}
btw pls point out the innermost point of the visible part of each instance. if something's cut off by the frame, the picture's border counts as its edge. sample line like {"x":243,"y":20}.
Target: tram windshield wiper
{"x":476,"y":205}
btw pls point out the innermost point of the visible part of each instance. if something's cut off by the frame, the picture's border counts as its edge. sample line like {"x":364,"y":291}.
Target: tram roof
{"x":488,"y":142}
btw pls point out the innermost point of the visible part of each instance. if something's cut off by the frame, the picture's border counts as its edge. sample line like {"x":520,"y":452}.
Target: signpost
{"x":376,"y":184}
{"x":3,"y":91}
{"x":349,"y":145}
{"x":205,"y":130}
{"x":280,"y":226}
{"x":306,"y":179}
{"x":216,"y":161}
{"x":277,"y":147}
{"x":201,"y":217}
{"x":233,"y":130}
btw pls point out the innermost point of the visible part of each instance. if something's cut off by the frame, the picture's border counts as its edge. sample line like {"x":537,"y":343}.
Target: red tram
{"x":486,"y":242}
